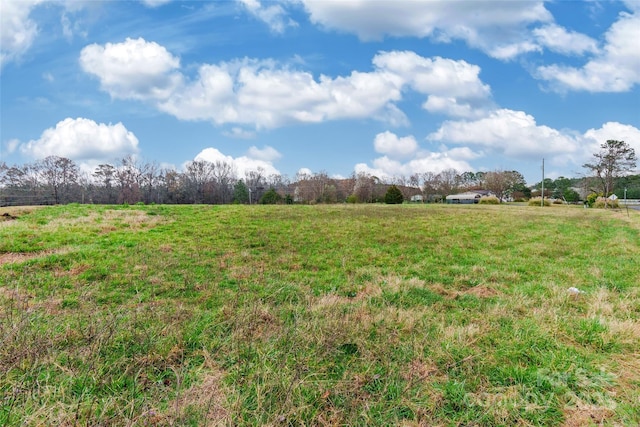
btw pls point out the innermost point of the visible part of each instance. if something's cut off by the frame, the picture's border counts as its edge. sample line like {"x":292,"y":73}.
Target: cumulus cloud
{"x":390,"y":144}
{"x":304,"y":172}
{"x":403,"y":157}
{"x":83,"y":140}
{"x":17,"y":29}
{"x":242,"y":164}
{"x":513,"y":133}
{"x":274,"y":15}
{"x":558,"y":39}
{"x":134,"y":69}
{"x":613,"y":130}
{"x":518,"y":136}
{"x":436,"y":162}
{"x":266,"y":94}
{"x":498,"y":28}
{"x":616,"y":68}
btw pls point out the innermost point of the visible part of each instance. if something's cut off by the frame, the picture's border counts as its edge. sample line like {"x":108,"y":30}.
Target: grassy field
{"x":319,"y":315}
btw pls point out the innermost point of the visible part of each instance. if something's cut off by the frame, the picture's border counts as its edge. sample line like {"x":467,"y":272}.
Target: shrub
{"x":271,"y":197}
{"x":591,"y":199}
{"x":393,"y":196}
{"x":489,"y":200}
{"x":601,"y":203}
{"x":352,"y":199}
{"x":558,"y":201}
{"x":535,"y":201}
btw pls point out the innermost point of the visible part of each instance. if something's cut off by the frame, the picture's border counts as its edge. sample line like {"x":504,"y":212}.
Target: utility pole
{"x":542,"y":200}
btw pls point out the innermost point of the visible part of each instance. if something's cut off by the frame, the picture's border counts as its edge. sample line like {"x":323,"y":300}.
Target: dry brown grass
{"x":15,"y":258}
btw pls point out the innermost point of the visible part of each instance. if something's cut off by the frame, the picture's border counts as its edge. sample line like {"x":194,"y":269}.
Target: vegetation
{"x":319,"y":315}
{"x":271,"y":197}
{"x":57,"y":180}
{"x":614,"y":160}
{"x":489,"y":200}
{"x":537,"y":201}
{"x":393,"y":196}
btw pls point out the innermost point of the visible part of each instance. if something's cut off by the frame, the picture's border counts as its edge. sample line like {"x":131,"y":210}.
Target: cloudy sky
{"x":390,"y":87}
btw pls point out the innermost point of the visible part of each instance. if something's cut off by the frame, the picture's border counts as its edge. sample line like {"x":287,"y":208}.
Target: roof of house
{"x":465,"y":196}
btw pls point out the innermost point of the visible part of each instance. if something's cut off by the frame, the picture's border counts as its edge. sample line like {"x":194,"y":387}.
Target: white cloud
{"x":268,"y":154}
{"x":498,"y":28}
{"x":17,"y":29}
{"x":83,"y":139}
{"x":613,"y":130}
{"x":241,"y":165}
{"x":514,"y":133}
{"x":437,"y":76}
{"x":304,"y":172}
{"x":436,"y":162}
{"x":265,"y":94}
{"x":154,"y":3}
{"x":11,"y":145}
{"x":403,"y":156}
{"x":615,"y":69}
{"x":560,"y":40}
{"x":273,"y":15}
{"x":239,"y":133}
{"x":518,"y":136}
{"x":394,"y":146}
{"x":134,"y":69}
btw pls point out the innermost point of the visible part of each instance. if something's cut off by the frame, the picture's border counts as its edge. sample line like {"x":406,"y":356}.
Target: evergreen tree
{"x":240,"y":192}
{"x":393,"y":196}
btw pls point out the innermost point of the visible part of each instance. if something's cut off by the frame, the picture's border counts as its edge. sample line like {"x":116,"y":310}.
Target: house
{"x":468,"y":197}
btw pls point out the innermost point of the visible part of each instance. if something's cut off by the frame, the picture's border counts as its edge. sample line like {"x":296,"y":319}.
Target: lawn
{"x":319,"y":315}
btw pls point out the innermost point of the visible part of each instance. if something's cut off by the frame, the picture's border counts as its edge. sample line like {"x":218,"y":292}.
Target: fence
{"x":629,"y":202}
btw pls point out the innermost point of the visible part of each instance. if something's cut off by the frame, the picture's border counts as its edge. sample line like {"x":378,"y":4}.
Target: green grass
{"x":319,"y":315}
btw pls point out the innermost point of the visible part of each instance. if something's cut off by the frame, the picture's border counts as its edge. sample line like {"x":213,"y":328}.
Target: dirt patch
{"x":586,"y":415}
{"x":480,"y":291}
{"x":206,"y":398}
{"x":418,"y":370}
{"x":19,"y":257}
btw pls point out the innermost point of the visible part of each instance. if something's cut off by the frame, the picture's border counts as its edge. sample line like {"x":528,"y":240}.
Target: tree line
{"x":59,"y":180}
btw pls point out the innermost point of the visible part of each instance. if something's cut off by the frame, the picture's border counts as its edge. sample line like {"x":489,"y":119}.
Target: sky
{"x":386,"y":87}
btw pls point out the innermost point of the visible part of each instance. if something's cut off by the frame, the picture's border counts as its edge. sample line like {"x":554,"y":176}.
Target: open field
{"x":319,"y":315}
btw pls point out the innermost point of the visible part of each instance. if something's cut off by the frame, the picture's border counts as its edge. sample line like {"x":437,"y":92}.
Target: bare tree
{"x":256,"y":183}
{"x":224,"y":175}
{"x":59,"y":174}
{"x":363,"y":188}
{"x":615,"y":159}
{"x":448,"y":182}
{"x":128,"y":176}
{"x":198,"y":177}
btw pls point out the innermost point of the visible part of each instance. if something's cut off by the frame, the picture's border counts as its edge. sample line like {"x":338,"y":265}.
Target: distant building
{"x":467,"y":198}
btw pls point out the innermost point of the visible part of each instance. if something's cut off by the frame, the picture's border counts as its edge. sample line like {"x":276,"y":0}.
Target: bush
{"x":352,"y":199}
{"x":601,"y":203}
{"x":271,"y":197}
{"x":558,"y":201}
{"x":535,"y":201}
{"x":393,"y":196}
{"x":591,"y":199}
{"x":489,"y":200}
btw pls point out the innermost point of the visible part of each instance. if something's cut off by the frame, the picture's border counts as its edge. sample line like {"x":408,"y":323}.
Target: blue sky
{"x":391,"y":88}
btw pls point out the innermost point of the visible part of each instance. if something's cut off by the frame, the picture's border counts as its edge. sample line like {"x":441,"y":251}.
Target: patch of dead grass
{"x":19,"y":257}
{"x":480,"y":291}
{"x":586,"y":415}
{"x":109,"y":220}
